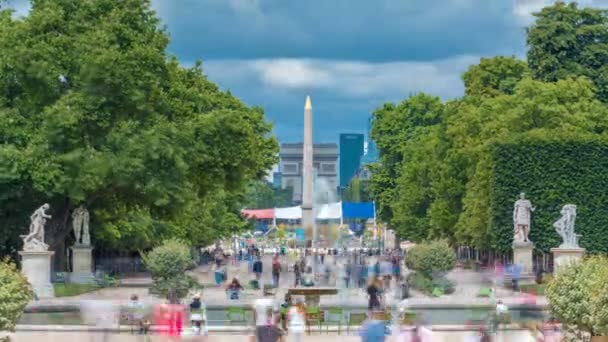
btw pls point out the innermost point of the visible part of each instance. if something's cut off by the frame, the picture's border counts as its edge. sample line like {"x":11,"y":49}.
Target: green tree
{"x":568,"y":41}
{"x":567,"y":107}
{"x":394,"y":126}
{"x":15,"y":294}
{"x":357,"y":191}
{"x":494,"y":76}
{"x":578,"y":297}
{"x":168,"y":264}
{"x":261,"y":194}
{"x":93,"y":111}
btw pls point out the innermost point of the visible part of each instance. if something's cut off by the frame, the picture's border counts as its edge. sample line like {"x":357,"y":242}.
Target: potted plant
{"x":578,"y":297}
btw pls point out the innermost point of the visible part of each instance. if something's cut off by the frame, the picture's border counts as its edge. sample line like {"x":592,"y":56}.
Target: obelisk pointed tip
{"x":308,"y":104}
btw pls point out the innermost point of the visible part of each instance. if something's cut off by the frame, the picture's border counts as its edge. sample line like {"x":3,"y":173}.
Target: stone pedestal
{"x":36,"y":267}
{"x":563,"y":257}
{"x":82,"y":265}
{"x":522,"y":256}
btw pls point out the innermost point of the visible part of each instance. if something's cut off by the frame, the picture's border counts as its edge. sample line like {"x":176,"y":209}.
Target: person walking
{"x":374,"y":329}
{"x":258,"y":268}
{"x":373,"y":292}
{"x":276,"y":270}
{"x":198,"y":316}
{"x":296,"y":322}
{"x":297,"y":274}
{"x":135,"y":314}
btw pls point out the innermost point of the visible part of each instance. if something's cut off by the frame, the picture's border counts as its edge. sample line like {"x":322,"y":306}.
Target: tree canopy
{"x":568,"y":41}
{"x":94,"y":111}
{"x":261,"y":194}
{"x":437,"y":158}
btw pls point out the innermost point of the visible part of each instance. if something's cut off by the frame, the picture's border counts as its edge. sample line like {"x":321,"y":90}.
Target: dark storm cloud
{"x":350,"y":55}
{"x":378,"y":30}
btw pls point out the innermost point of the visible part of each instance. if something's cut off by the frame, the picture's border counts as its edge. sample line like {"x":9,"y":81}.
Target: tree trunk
{"x":57,"y":230}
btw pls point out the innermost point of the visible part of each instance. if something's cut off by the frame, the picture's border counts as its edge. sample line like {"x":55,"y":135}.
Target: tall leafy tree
{"x":397,"y":130}
{"x":94,"y":111}
{"x":357,"y":191}
{"x":260,"y":194}
{"x":494,"y":76}
{"x":568,"y":41}
{"x":536,"y":108}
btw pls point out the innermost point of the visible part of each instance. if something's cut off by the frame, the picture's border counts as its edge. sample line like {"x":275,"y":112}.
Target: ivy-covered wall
{"x":551,"y":173}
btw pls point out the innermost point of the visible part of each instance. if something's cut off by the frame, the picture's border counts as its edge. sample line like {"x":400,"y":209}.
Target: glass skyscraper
{"x":351,"y":151}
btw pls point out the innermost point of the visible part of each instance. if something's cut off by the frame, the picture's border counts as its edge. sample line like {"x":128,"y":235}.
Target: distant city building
{"x":351,"y":150}
{"x":370,"y":155}
{"x":325,"y":161}
{"x":277,"y":180}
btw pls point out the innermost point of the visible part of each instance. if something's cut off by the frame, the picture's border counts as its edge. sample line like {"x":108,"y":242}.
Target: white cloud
{"x":347,"y":78}
{"x":291,"y":73}
{"x":21,"y":7}
{"x":524,"y":8}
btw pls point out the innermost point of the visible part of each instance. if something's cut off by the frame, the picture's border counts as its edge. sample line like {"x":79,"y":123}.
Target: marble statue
{"x":34,"y":241}
{"x":522,"y":213}
{"x":80,"y":223}
{"x":565,"y":227}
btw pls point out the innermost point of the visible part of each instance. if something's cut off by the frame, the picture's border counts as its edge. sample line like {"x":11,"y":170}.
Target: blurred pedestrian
{"x":374,"y":329}
{"x":373,"y":293}
{"x":276,"y":270}
{"x":297,"y":274}
{"x":198,"y":315}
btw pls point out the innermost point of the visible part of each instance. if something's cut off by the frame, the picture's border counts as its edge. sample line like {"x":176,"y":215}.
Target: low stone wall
{"x":436,"y":336}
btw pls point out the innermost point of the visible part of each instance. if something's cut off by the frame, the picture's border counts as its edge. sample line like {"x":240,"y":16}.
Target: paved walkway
{"x":467,"y":285}
{"x":427,"y":336}
{"x":89,"y":337}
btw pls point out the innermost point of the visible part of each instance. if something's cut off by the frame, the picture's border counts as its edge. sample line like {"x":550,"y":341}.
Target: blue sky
{"x":349,"y":55}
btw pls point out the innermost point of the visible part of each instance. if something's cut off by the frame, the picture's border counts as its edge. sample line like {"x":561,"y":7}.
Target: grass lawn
{"x":69,"y":290}
{"x":536,"y":289}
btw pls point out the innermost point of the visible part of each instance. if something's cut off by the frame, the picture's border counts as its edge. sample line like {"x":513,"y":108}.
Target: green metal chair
{"x":408,"y":318}
{"x":484,"y":292}
{"x":335,"y":316}
{"x":313,"y":316}
{"x":355,"y":319}
{"x":236,"y":315}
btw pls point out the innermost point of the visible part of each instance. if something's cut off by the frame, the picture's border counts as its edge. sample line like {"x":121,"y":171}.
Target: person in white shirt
{"x":501,"y":308}
{"x":296,"y":323}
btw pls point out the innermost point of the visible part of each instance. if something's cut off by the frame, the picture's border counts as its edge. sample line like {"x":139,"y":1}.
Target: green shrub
{"x":429,"y":286}
{"x":420,"y":282}
{"x":168,"y":264}
{"x":444,"y":284}
{"x":15,"y":293}
{"x":432,"y":259}
{"x":578,"y":296}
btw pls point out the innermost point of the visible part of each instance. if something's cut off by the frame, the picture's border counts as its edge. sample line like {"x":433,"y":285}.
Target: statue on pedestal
{"x":522,"y":213}
{"x":34,"y":241}
{"x":565,"y":227}
{"x":80,"y":223}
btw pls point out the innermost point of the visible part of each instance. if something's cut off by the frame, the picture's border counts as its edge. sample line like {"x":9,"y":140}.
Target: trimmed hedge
{"x":552,"y":173}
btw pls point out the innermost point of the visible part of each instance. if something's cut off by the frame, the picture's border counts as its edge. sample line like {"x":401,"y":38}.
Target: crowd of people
{"x":374,"y":272}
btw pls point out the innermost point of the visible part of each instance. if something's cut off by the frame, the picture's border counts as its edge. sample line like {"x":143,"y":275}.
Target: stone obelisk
{"x":308,"y":220}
